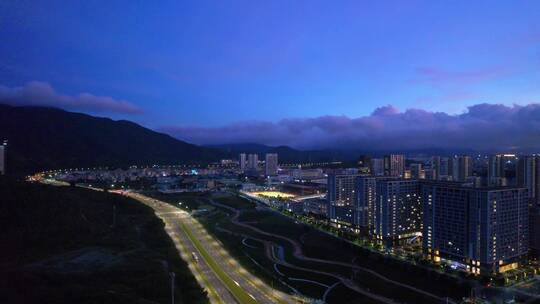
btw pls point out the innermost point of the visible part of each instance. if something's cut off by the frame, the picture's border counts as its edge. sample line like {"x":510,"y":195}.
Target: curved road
{"x":176,"y":223}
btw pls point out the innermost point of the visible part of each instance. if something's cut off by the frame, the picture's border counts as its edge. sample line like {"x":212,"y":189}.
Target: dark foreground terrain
{"x":59,"y":245}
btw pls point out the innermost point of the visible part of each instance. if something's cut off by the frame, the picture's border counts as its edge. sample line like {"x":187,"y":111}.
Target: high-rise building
{"x":527,"y":175}
{"x":417,"y":172}
{"x":253,"y":162}
{"x":398,"y":209}
{"x":365,"y":187}
{"x":394,"y":165}
{"x":495,"y":167}
{"x":499,"y":227}
{"x":242,"y":161}
{"x":271,"y":164}
{"x":445,"y":225}
{"x":453,"y":168}
{"x":459,"y":168}
{"x":485,"y":230}
{"x":499,"y":168}
{"x":341,"y":198}
{"x":464,"y":167}
{"x":444,"y":170}
{"x":534,"y":230}
{"x":436,"y":167}
{"x":3,"y":152}
{"x":377,"y":167}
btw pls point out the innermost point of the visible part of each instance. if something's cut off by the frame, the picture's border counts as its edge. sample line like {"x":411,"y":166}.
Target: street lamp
{"x":172,"y":275}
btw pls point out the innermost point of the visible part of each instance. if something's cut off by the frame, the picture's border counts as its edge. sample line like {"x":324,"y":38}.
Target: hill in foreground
{"x":59,"y":247}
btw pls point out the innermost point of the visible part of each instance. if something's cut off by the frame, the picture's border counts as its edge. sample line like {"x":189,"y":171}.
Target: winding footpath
{"x":298,"y":253}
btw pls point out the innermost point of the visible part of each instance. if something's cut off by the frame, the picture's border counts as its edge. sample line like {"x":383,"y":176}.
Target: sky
{"x":301,"y":73}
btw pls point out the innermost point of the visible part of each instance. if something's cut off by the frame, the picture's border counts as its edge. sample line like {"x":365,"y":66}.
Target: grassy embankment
{"x":59,"y":246}
{"x":317,"y":244}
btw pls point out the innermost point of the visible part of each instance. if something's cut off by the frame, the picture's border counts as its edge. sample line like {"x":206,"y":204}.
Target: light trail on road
{"x":216,"y":268}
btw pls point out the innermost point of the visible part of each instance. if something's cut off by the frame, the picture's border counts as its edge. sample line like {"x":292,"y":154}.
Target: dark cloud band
{"x":38,"y":93}
{"x":481,"y":127}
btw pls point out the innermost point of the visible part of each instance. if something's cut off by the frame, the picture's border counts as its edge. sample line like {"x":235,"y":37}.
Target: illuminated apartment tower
{"x":271,"y":164}
{"x":341,"y":198}
{"x":366,"y":187}
{"x":485,"y":230}
{"x":445,"y":224}
{"x":398,"y":209}
{"x":394,"y":165}
{"x":242,"y":161}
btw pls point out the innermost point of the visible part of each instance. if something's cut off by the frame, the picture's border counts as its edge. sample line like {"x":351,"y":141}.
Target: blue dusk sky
{"x":278,"y":72}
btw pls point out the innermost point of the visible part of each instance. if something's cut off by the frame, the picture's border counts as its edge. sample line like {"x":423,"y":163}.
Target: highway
{"x":225,"y":280}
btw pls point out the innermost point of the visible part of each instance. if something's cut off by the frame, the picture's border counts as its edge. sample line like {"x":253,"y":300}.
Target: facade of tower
{"x":271,"y":164}
{"x":483,"y":230}
{"x":464,"y":167}
{"x":436,"y":167}
{"x":398,"y":209}
{"x":341,"y":198}
{"x":253,"y":162}
{"x":394,"y":165}
{"x":527,"y":175}
{"x":365,"y":187}
{"x":377,"y":167}
{"x":242,"y":161}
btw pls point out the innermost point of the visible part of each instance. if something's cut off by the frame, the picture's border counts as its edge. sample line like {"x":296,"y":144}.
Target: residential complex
{"x":483,"y":230}
{"x":397,"y":210}
{"x":364,"y":202}
{"x":460,"y":218}
{"x":341,"y":197}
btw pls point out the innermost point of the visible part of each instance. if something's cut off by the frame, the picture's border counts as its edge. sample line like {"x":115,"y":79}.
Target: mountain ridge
{"x":42,"y":138}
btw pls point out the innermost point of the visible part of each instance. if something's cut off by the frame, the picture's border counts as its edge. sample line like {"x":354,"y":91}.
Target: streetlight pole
{"x":172,"y":286}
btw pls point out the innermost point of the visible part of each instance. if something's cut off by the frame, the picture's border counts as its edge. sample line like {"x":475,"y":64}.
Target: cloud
{"x":482,"y":127}
{"x":38,"y":93}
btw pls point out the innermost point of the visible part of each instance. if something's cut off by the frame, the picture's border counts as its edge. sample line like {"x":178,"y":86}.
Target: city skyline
{"x":261,"y":152}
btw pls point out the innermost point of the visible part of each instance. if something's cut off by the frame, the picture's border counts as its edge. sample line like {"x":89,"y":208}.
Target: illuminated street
{"x":182,"y":228}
